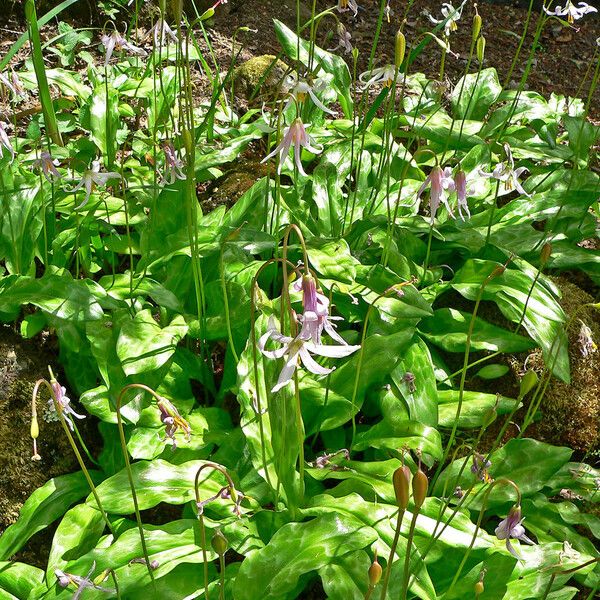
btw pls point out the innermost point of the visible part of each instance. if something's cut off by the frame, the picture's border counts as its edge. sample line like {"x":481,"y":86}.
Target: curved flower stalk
{"x":511,"y":528}
{"x":450,"y":16}
{"x":5,"y":141}
{"x":440,"y":181}
{"x":47,"y":165}
{"x":300,"y":88}
{"x":382,"y":75}
{"x":507,"y":174}
{"x":90,"y":179}
{"x":295,"y":135}
{"x":347,"y":5}
{"x":115,"y":41}
{"x":571,"y":11}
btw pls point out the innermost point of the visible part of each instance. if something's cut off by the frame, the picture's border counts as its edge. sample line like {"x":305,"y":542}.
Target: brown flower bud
{"x":401,"y":486}
{"x":545,"y":253}
{"x":375,"y":572}
{"x":420,"y":483}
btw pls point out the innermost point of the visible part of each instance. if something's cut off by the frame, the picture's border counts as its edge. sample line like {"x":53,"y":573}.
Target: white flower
{"x":511,"y":528}
{"x":115,"y":41}
{"x":346,"y":5}
{"x":162,"y":33}
{"x":450,"y":16}
{"x":385,"y":75}
{"x":299,"y":89}
{"x":47,"y":165}
{"x":81,"y":583}
{"x":571,"y":11}
{"x":344,"y":38}
{"x":91,"y":178}
{"x":64,"y":404}
{"x":294,"y":135}
{"x":507,"y":173}
{"x":5,"y":141}
{"x":300,"y":348}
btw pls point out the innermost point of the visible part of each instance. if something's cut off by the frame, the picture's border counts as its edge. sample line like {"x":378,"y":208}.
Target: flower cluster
{"x":441,"y":182}
{"x":314,"y":321}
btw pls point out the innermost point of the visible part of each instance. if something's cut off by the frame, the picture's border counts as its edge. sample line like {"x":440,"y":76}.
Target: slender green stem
{"x":388,"y":567}
{"x":409,"y":541}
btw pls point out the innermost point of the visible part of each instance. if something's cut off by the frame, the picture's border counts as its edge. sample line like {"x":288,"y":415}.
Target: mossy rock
{"x":571,"y":412}
{"x":259,"y":77}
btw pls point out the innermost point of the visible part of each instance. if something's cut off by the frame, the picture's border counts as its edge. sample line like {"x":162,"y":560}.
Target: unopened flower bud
{"x":479,"y":587}
{"x":476,"y":26}
{"x":528,"y":382}
{"x":35,"y":427}
{"x":401,"y":479}
{"x":545,"y":253}
{"x":400,"y":49}
{"x":219,"y":543}
{"x":480,"y":48}
{"x":420,"y":483}
{"x":186,"y":137}
{"x":375,"y":572}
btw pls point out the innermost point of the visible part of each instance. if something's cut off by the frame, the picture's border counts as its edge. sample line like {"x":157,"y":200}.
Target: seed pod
{"x":400,"y":480}
{"x":177,"y":10}
{"x":420,"y":483}
{"x":375,"y":572}
{"x":528,"y":382}
{"x":476,"y":27}
{"x":400,"y":49}
{"x":480,"y":48}
{"x":219,"y":543}
{"x":479,"y":587}
{"x":186,"y":137}
{"x":545,"y":253}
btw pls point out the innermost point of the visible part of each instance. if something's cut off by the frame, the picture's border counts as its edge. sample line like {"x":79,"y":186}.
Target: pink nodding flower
{"x":511,"y":528}
{"x":295,"y":135}
{"x":460,"y":185}
{"x":440,"y":181}
{"x":47,"y":165}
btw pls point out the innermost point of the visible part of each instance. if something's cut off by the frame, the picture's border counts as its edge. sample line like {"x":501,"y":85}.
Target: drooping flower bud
{"x":219,"y":542}
{"x":420,"y":483}
{"x":479,"y":588}
{"x":401,"y":480}
{"x":545,"y":253}
{"x":400,"y":49}
{"x":480,"y":49}
{"x":375,"y":572}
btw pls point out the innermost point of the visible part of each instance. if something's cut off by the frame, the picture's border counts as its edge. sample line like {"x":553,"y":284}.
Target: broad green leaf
{"x":77,"y":533}
{"x":528,"y":463}
{"x":475,"y":407}
{"x":157,"y":481}
{"x":43,"y":507}
{"x":448,"y":329}
{"x":474,"y":94}
{"x":274,"y":571}
{"x":515,"y":293}
{"x":143,"y":345}
{"x":18,"y":579}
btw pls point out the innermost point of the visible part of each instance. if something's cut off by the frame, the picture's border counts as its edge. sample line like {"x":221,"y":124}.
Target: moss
{"x":571,"y":412}
{"x":264,"y":72}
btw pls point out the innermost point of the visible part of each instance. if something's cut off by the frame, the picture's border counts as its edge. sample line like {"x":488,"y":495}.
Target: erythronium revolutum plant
{"x":323,"y":389}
